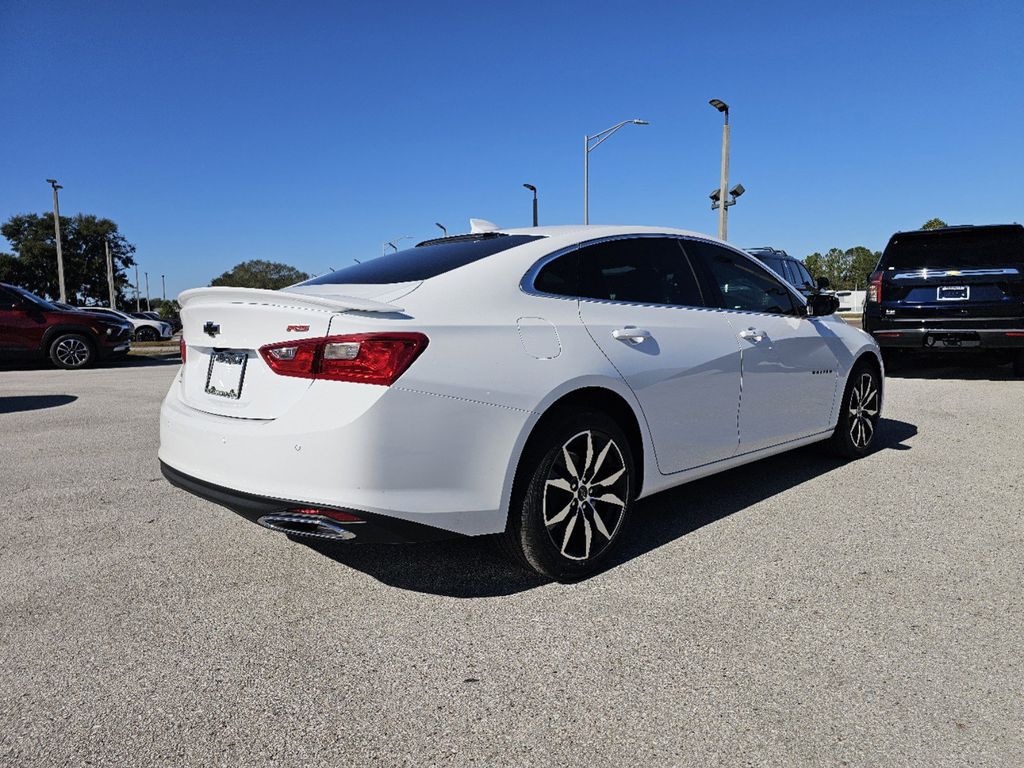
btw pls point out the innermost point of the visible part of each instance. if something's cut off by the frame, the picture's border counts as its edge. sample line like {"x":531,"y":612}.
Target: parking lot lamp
{"x":723,"y":209}
{"x":56,"y":228}
{"x":534,"y":190}
{"x":110,"y":272}
{"x":590,"y":143}
{"x":392,"y":243}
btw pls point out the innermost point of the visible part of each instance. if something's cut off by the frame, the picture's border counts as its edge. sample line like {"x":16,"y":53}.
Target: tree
{"x":836,"y":265}
{"x":934,"y":224}
{"x":862,"y":264}
{"x":815,"y":265}
{"x":34,"y":262}
{"x":258,"y":273}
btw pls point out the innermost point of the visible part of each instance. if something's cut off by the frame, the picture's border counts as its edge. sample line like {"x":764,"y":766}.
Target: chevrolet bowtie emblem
{"x":211,"y":328}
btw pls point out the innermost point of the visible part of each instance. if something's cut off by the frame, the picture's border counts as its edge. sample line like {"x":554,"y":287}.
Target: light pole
{"x":588,"y":147}
{"x":138,"y":305}
{"x":534,"y":190}
{"x":110,"y":273}
{"x":442,"y":227}
{"x":163,"y":287}
{"x":723,"y":185}
{"x":384,"y":247}
{"x":148,"y":308}
{"x":56,"y":228}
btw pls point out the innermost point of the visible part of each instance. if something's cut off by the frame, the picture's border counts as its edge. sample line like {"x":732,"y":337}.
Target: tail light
{"x":875,"y":288}
{"x":367,"y":358}
{"x":181,"y":344}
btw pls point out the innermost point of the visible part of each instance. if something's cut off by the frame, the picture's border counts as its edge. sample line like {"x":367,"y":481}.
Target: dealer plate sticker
{"x":954,"y":293}
{"x":226,"y":374}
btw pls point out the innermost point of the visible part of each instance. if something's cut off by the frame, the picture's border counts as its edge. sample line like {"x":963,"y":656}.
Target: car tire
{"x":859,"y":413}
{"x":71,"y":351}
{"x":145,"y":333}
{"x":574,"y":490}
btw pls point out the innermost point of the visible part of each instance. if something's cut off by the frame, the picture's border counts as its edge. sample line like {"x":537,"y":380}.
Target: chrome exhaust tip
{"x":312,"y":526}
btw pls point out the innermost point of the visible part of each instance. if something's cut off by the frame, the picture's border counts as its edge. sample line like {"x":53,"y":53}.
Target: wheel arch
{"x":59,"y":330}
{"x":872,"y":358}
{"x":596,"y":395}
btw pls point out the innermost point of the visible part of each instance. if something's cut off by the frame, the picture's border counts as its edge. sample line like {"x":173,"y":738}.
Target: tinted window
{"x":645,"y":270}
{"x":774,"y":263}
{"x":33,"y":298}
{"x":560,"y":277}
{"x":424,"y":261}
{"x":7,"y":300}
{"x":741,"y":283}
{"x":973,"y":247}
{"x":803,"y":277}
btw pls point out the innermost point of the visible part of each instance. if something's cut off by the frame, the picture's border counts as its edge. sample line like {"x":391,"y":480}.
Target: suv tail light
{"x":181,"y":343}
{"x":367,"y":358}
{"x":875,"y":288}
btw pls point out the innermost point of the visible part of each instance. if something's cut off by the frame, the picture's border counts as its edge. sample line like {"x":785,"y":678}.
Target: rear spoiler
{"x":196,"y":297}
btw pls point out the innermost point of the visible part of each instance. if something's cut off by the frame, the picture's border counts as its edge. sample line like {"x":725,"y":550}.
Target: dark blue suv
{"x":950,"y":289}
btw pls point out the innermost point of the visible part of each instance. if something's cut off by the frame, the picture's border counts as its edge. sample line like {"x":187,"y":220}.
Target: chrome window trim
{"x":526,"y":284}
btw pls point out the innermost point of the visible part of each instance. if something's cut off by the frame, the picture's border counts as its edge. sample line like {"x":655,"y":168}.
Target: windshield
{"x":427,"y":260}
{"x":971,"y":247}
{"x":35,"y":299}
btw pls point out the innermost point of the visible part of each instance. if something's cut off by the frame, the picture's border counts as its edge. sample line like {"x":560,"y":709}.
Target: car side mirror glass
{"x":819,"y":306}
{"x":823,"y":283}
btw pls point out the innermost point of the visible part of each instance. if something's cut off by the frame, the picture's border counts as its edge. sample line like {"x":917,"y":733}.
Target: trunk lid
{"x":224,"y":328}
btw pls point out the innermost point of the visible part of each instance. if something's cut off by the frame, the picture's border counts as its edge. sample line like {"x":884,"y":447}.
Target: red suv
{"x":33,"y":327}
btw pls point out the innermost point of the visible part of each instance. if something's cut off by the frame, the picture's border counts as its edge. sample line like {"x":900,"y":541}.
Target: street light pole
{"x":163,"y":288}
{"x":56,"y":228}
{"x":148,"y":307}
{"x":384,"y":247}
{"x":534,"y":190}
{"x":110,"y":273}
{"x":597,"y":139}
{"x":723,"y":186}
{"x":138,"y":304}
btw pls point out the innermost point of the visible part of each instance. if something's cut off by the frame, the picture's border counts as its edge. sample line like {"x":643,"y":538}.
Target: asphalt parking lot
{"x":798,"y":611}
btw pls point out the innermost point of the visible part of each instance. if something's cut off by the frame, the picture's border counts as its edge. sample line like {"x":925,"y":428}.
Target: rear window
{"x":426,"y":260}
{"x":974,"y":247}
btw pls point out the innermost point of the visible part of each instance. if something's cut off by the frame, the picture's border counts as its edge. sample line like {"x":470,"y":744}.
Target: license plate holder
{"x":954,"y":292}
{"x":952,"y":340}
{"x":226,"y":373}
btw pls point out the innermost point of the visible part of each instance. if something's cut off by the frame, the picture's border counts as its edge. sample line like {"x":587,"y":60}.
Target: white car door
{"x":641,"y":301}
{"x":789,"y":361}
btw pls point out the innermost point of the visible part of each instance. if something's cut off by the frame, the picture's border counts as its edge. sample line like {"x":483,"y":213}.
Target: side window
{"x":790,"y":273}
{"x":642,"y":270}
{"x":740,"y":282}
{"x":803,"y":275}
{"x":7,"y":300}
{"x":560,"y":277}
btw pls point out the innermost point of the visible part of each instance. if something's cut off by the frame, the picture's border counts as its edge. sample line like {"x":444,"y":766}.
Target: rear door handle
{"x":752,"y":334}
{"x":631,"y":335}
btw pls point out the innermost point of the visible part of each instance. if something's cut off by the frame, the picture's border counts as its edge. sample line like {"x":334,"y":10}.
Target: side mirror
{"x":823,"y":283}
{"x":819,"y":306}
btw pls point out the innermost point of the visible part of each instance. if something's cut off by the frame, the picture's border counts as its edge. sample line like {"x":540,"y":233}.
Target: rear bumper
{"x":441,"y":462}
{"x":370,"y":528}
{"x":949,"y":338}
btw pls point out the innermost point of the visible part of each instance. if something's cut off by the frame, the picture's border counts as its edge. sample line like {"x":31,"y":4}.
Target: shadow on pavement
{"x":18,"y":403}
{"x":965,"y":366}
{"x":473,"y":567}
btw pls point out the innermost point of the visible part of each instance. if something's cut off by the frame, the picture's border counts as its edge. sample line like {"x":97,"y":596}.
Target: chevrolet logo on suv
{"x":211,"y":328}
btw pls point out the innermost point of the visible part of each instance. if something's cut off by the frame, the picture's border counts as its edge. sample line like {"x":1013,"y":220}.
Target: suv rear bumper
{"x":949,"y":338}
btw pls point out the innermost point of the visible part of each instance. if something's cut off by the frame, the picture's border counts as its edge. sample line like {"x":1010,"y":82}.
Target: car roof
{"x":955,"y":228}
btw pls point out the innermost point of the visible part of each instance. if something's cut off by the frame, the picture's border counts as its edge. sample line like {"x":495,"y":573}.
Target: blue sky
{"x":311,"y":132}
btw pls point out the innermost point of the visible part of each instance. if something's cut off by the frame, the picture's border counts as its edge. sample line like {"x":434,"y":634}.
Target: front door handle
{"x":752,"y":334}
{"x":631,"y":335}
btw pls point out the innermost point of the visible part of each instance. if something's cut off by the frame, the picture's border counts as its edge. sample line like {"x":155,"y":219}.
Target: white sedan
{"x":531,"y":383}
{"x":146,"y":328}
